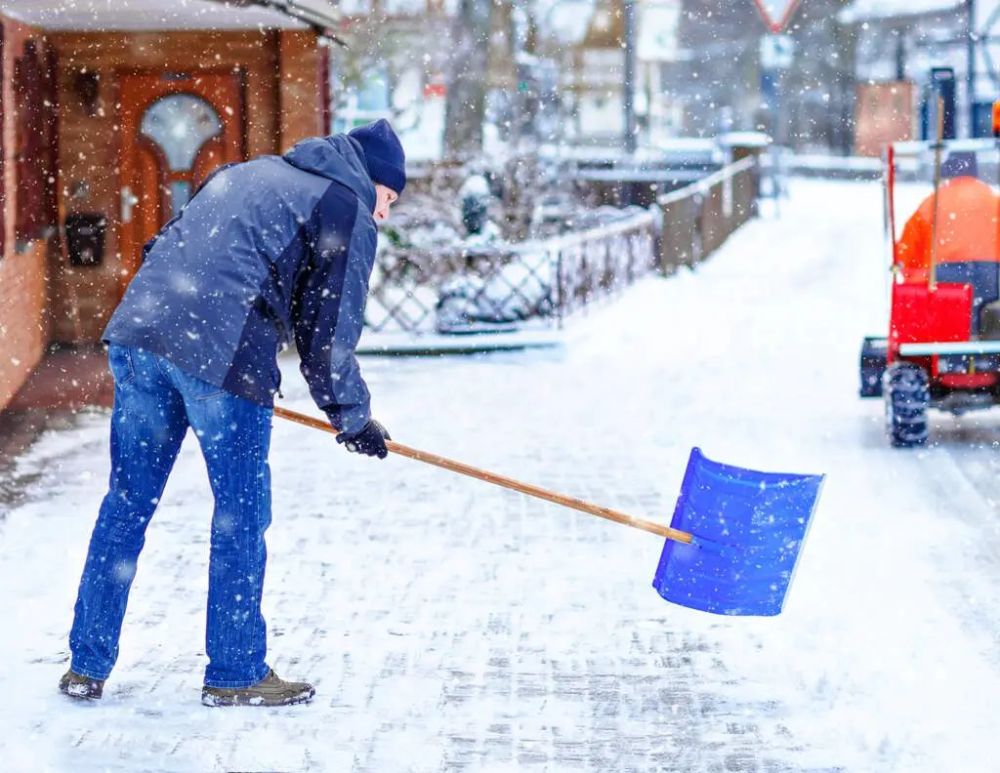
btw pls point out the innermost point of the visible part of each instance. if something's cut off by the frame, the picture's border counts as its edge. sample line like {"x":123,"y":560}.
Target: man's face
{"x":384,"y":199}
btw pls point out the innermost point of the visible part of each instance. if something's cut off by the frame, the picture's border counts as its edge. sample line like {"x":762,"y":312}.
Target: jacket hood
{"x":338,"y":158}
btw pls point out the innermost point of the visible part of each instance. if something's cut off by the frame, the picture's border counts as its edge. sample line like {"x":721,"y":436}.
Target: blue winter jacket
{"x":267,"y":250}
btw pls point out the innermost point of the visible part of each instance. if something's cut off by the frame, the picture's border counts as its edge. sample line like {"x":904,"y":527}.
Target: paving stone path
{"x":451,"y":626}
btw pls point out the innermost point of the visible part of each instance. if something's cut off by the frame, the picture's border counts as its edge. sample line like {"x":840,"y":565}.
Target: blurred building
{"x":909,"y":53}
{"x":396,"y":68}
{"x":733,"y":74}
{"x":112,"y":114}
{"x":587,"y":40}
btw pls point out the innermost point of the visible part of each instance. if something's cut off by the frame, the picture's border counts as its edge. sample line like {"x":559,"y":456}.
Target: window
{"x":180,"y":125}
{"x":35,"y":154}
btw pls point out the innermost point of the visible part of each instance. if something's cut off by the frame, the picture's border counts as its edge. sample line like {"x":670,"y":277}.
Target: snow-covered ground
{"x":449,"y":625}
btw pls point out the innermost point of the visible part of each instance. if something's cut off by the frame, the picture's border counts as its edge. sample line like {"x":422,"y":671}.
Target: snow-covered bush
{"x":516,"y":291}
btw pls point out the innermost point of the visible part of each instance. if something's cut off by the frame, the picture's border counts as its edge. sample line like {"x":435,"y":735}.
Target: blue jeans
{"x":155,"y":403}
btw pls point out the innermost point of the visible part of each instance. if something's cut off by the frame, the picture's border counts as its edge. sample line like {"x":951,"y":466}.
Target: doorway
{"x":175,"y":130}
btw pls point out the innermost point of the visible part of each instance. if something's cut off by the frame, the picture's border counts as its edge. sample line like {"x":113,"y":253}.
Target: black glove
{"x":370,"y":440}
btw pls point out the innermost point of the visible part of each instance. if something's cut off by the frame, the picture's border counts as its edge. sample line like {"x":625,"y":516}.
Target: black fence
{"x":539,"y":282}
{"x":488,"y":287}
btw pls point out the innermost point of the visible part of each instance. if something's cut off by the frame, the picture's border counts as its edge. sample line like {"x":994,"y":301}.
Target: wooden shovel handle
{"x":500,"y":480}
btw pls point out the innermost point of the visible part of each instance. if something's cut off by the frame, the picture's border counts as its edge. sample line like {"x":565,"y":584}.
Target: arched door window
{"x":180,"y":125}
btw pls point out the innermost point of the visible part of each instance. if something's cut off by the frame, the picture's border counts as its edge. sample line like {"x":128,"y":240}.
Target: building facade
{"x":111,"y":119}
{"x":909,"y":53}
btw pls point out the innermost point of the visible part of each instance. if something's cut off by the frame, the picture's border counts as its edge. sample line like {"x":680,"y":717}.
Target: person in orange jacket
{"x":968,"y":211}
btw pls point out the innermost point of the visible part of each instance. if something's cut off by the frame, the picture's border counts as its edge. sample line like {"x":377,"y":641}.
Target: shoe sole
{"x":79,"y":695}
{"x":256,"y":701}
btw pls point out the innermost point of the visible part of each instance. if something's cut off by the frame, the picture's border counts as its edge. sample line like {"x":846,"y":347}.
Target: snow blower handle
{"x":938,"y":147}
{"x":505,"y":482}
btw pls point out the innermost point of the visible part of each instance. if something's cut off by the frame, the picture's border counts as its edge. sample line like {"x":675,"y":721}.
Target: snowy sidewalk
{"x":452,"y":626}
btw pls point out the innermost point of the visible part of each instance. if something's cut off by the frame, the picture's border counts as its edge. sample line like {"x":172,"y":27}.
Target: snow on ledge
{"x":873,"y":10}
{"x":137,"y":15}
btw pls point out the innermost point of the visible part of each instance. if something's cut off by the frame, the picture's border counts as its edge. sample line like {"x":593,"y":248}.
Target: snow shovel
{"x":732,"y":545}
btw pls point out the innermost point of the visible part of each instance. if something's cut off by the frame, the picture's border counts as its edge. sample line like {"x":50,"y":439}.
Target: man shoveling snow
{"x":268,"y":250}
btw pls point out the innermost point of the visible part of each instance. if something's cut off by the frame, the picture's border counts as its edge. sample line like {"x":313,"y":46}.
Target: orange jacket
{"x":968,"y":211}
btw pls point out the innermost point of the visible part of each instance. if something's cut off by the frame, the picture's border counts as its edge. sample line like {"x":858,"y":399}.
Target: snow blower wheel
{"x":907,"y":398}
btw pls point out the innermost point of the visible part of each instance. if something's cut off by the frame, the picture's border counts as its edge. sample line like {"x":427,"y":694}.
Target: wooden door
{"x":175,"y":129}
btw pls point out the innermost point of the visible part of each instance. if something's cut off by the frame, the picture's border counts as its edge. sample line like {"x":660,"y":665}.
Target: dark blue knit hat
{"x":383,"y":154}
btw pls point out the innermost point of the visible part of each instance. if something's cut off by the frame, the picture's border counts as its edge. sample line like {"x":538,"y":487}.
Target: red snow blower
{"x":943,"y":345}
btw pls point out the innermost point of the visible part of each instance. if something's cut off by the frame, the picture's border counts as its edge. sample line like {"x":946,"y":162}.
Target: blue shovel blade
{"x":749,"y":528}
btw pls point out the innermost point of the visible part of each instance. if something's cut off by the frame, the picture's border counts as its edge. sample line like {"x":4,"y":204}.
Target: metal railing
{"x":699,"y":217}
{"x":464,"y":289}
{"x":538,"y":282}
{"x":602,"y":260}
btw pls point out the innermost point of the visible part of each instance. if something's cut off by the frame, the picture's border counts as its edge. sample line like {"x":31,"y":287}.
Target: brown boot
{"x":269,"y":691}
{"x":81,"y":687}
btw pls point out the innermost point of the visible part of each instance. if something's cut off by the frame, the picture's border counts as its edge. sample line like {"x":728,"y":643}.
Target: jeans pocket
{"x":201,"y":390}
{"x":120,"y":363}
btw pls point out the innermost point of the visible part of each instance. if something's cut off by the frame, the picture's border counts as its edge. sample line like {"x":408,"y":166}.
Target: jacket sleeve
{"x":329,"y":306}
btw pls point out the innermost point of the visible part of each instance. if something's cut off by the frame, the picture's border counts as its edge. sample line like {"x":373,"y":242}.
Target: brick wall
{"x":281,"y":106}
{"x":23,"y":324}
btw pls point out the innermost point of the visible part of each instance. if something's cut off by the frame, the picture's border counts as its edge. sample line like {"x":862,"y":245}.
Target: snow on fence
{"x":503,"y":286}
{"x":599,"y":261}
{"x":495,"y":287}
{"x":699,"y":217}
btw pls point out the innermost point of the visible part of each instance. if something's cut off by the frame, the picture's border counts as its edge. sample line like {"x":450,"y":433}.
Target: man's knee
{"x":122,"y":521}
